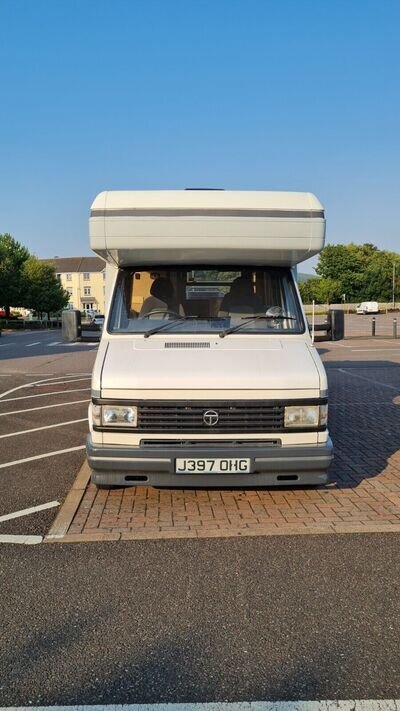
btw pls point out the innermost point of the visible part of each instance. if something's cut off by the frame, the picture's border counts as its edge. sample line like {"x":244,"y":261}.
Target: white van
{"x":206,"y":374}
{"x":367,"y":307}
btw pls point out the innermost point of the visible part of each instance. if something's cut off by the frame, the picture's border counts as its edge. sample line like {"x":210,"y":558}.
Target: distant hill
{"x":303,"y":277}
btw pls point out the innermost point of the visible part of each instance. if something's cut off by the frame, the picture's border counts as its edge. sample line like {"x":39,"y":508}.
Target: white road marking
{"x":369,"y":380}
{"x":331,"y":344}
{"x":28,"y":385}
{"x":4,"y":345}
{"x":76,"y":374}
{"x":29,"y":345}
{"x":370,"y":350}
{"x":28,"y":397}
{"x":320,"y":705}
{"x":61,"y":382}
{"x":45,"y":427}
{"x":31,"y":510}
{"x":55,"y":343}
{"x":28,"y":375}
{"x":41,"y":456}
{"x":23,"y":540}
{"x":43,"y":407}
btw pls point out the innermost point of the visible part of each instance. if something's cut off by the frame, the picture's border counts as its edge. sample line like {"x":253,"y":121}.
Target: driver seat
{"x":241,"y":299}
{"x":161,"y":292}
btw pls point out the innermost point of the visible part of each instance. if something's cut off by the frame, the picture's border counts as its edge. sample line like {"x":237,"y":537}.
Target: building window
{"x":69,"y":277}
{"x":86,"y":276}
{"x":104,"y":273}
{"x":69,"y":291}
{"x":86,"y":290}
{"x":88,"y":307}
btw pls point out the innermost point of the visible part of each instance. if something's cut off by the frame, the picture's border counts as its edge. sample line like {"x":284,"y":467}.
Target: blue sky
{"x":241,"y":94}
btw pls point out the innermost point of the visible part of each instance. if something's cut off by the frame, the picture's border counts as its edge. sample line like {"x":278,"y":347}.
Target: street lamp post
{"x":394,"y":286}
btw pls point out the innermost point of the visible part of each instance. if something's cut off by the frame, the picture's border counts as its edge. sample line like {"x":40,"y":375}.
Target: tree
{"x":379,"y":277}
{"x":329,"y":291}
{"x":344,"y":263}
{"x":308,"y":290}
{"x":13,"y":256}
{"x":322,"y":291}
{"x":364,"y":272}
{"x":44,"y":292}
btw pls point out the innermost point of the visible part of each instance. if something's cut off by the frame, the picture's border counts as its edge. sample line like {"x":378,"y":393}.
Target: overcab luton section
{"x":206,"y":374}
{"x":214,"y":227}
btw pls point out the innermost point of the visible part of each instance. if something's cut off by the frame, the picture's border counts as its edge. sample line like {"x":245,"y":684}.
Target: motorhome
{"x":206,"y":374}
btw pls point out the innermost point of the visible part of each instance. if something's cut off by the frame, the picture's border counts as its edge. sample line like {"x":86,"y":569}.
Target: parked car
{"x":98,"y":320}
{"x":368,"y":307}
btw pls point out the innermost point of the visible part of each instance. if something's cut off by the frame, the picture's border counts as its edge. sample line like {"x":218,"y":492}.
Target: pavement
{"x":263,"y":617}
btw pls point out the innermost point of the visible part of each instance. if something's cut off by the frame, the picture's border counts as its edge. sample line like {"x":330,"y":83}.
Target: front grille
{"x":236,"y":416}
{"x":207,"y":443}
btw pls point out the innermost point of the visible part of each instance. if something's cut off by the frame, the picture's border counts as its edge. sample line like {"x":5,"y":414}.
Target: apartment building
{"x":84,"y":279}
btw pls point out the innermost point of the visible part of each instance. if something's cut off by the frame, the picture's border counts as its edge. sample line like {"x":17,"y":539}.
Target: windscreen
{"x":205,"y":300}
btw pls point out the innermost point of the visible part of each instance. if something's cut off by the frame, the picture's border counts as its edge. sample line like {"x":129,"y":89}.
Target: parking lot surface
{"x":363,"y":493}
{"x":43,"y":422}
{"x":360,"y":326}
{"x":44,"y":394}
{"x":207,"y":619}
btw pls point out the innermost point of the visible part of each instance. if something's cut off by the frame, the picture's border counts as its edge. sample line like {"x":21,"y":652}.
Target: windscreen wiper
{"x":250,"y":319}
{"x":164,"y":326}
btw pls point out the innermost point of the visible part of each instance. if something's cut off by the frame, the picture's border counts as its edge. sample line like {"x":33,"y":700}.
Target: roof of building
{"x":68,"y":265}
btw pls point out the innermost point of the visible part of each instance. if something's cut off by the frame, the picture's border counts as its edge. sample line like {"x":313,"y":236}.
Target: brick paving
{"x":363,"y":495}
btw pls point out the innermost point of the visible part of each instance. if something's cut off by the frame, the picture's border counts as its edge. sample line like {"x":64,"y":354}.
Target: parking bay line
{"x":370,"y":350}
{"x":34,"y":382}
{"x":58,"y":392}
{"x":60,"y":382}
{"x":45,"y":427}
{"x":31,"y":510}
{"x":41,"y":456}
{"x":317,"y":705}
{"x":43,"y":407}
{"x":37,"y":343}
{"x":23,"y":540}
{"x":369,"y":380}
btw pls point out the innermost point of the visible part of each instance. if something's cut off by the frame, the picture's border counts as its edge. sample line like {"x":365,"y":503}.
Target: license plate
{"x":212,"y":466}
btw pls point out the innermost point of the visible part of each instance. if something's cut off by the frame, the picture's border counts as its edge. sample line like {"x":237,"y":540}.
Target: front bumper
{"x":270,"y":466}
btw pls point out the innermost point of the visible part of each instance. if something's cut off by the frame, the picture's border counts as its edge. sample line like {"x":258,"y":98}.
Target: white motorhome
{"x":206,"y":374}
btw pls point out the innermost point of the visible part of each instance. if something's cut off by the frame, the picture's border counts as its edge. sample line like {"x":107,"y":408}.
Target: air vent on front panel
{"x":187,"y":344}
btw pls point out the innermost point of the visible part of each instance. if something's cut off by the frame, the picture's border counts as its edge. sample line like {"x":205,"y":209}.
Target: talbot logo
{"x":210,"y":418}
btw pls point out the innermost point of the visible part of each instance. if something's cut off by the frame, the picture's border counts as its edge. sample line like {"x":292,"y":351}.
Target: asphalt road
{"x":300,"y":617}
{"x":53,"y":388}
{"x":21,"y":345}
{"x":231,"y":619}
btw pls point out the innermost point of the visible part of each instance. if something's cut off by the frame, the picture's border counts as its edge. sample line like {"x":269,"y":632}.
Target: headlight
{"x":114,"y":415}
{"x":306,"y":415}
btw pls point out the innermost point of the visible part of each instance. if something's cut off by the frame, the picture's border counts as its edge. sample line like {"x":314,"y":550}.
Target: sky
{"x":239,"y":94}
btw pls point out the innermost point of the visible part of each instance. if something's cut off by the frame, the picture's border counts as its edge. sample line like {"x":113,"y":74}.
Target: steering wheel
{"x":274,"y":311}
{"x":164,"y":312}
